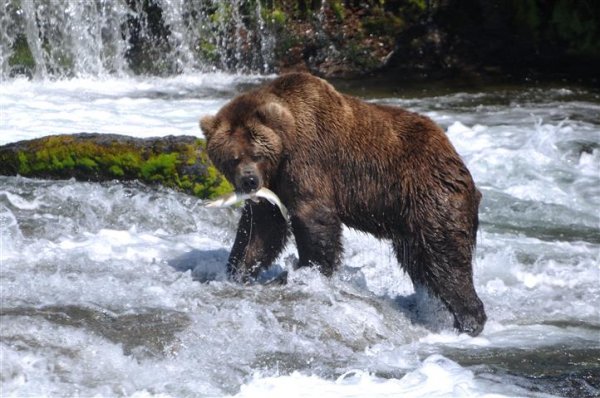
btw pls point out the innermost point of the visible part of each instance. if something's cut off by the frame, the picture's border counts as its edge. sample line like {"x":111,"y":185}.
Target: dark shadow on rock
{"x":425,"y":310}
{"x":211,"y":265}
{"x":206,"y":265}
{"x":420,"y":307}
{"x":146,"y":333}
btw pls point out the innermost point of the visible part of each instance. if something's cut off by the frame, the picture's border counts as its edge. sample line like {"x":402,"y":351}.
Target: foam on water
{"x":437,"y":376}
{"x":99,"y":281}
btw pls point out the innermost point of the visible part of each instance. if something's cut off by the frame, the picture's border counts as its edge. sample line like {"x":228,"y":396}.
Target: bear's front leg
{"x":261,"y":235}
{"x":318,"y":232}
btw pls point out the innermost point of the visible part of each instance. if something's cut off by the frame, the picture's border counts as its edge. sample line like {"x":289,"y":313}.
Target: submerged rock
{"x":178,"y":162}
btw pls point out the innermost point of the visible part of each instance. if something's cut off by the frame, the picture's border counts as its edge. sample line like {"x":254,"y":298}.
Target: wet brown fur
{"x":334,"y":159}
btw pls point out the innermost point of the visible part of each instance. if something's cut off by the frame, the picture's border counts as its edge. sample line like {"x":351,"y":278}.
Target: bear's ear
{"x":275,"y":114}
{"x":207,"y":125}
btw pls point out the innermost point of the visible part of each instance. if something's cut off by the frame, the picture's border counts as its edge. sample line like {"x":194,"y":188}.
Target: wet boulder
{"x":178,"y":162}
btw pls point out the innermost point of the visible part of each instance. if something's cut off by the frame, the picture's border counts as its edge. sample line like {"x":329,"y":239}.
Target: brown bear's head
{"x":243,"y":140}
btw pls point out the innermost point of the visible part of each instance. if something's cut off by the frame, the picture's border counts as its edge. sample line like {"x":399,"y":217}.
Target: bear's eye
{"x":233,"y":162}
{"x":257,"y":158}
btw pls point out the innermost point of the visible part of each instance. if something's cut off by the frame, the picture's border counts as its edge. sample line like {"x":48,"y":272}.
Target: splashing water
{"x":99,"y":282}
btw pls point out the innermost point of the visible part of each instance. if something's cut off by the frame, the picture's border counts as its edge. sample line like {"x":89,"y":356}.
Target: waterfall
{"x":63,"y":38}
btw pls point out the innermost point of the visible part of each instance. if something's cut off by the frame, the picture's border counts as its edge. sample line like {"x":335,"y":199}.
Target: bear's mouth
{"x":248,"y":184}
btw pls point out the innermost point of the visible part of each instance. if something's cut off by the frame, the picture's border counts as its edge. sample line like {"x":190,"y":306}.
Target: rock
{"x":178,"y":162}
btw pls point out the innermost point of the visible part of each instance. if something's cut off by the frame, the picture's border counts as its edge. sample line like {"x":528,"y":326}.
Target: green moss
{"x":21,"y":58}
{"x":382,"y":23}
{"x":186,"y":184}
{"x":116,"y":170}
{"x":277,"y":18}
{"x":220,"y":184}
{"x":420,"y":5}
{"x":87,"y":163}
{"x":222,"y":14}
{"x":23,"y":164}
{"x":338,"y":9}
{"x":208,"y":51}
{"x":61,"y":162}
{"x":360,"y":56}
{"x":223,"y":187}
{"x":126,"y":164}
{"x":212,"y":192}
{"x":183,"y":166}
{"x":160,"y":168}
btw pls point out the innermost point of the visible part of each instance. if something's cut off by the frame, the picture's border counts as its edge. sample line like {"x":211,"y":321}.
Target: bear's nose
{"x":249,"y":183}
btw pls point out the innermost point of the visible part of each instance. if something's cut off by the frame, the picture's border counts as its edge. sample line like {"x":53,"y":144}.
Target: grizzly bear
{"x":333,"y":159}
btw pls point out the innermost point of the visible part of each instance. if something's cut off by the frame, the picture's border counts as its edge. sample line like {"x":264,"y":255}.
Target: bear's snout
{"x":249,"y":183}
{"x":248,"y":179}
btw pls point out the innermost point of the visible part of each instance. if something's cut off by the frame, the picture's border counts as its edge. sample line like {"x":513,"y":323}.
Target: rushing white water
{"x":99,"y":282}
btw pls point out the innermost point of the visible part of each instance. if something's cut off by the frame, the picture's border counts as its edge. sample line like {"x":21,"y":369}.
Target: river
{"x":117,"y":289}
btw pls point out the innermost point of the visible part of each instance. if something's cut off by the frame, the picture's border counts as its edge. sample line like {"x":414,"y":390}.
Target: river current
{"x":117,"y":289}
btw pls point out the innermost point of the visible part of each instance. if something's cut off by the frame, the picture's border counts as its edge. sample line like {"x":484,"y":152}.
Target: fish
{"x":236,"y":197}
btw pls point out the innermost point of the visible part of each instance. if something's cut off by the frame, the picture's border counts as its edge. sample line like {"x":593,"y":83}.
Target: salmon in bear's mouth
{"x":265,"y":193}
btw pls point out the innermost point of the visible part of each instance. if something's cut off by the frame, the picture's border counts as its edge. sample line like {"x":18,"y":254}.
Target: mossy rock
{"x":178,"y":162}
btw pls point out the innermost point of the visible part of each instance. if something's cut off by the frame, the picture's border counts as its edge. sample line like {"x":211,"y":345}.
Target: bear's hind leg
{"x":261,"y":235}
{"x":446,"y":271}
